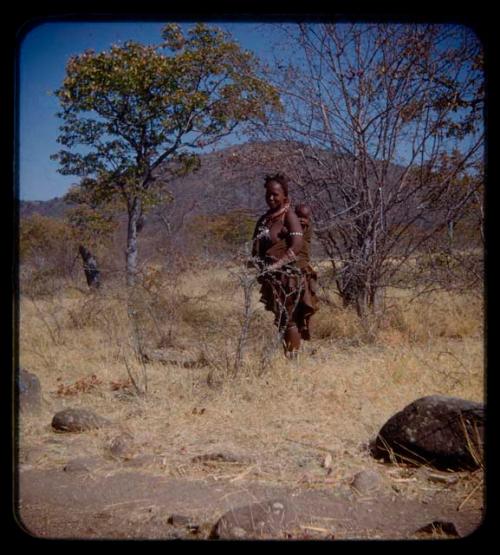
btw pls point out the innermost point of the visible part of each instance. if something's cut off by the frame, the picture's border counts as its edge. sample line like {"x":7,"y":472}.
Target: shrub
{"x":222,"y":233}
{"x":46,"y":253}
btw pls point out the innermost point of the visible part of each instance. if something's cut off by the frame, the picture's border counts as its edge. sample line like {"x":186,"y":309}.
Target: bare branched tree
{"x":383,"y":135}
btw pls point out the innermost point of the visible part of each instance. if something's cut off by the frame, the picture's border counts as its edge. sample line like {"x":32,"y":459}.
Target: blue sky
{"x":42,"y":57}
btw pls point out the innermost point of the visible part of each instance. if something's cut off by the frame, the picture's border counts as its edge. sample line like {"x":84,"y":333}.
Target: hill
{"x":53,"y":208}
{"x":231,"y":180}
{"x":226,"y":180}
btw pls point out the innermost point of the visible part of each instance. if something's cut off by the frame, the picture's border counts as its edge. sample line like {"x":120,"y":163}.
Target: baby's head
{"x":304,"y":213}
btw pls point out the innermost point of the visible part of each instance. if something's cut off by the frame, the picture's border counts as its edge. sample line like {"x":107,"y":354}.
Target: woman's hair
{"x":278,"y":178}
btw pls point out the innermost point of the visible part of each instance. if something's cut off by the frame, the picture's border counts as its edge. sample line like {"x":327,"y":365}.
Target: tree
{"x":132,"y":109}
{"x":93,"y":224}
{"x":92,"y":272}
{"x":382,"y":124}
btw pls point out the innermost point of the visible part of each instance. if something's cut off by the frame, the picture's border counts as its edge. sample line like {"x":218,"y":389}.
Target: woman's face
{"x":275,"y":196}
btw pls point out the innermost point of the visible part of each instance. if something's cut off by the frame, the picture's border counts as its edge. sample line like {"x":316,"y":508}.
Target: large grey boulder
{"x":78,"y":420}
{"x":444,"y":432}
{"x":30,"y":392}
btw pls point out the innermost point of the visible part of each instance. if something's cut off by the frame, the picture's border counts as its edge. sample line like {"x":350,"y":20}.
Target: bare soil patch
{"x":102,"y":501}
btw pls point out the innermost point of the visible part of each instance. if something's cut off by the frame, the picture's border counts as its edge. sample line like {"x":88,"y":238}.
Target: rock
{"x":77,"y":465}
{"x":30,"y":392}
{"x":367,"y":481}
{"x":268,"y":519}
{"x":444,"y":432}
{"x":77,"y":420}
{"x":122,"y":447}
{"x":84,"y":464}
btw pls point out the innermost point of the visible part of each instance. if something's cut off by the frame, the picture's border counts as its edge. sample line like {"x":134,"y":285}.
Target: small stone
{"x":366,"y":481}
{"x":30,"y":391}
{"x":122,"y":447}
{"x":76,"y":466}
{"x":77,"y":420}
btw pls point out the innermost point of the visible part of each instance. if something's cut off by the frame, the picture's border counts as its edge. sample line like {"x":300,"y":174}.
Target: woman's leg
{"x":287,"y":317}
{"x":292,"y":339}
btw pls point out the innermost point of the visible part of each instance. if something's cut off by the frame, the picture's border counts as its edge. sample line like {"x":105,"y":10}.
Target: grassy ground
{"x":284,"y":417}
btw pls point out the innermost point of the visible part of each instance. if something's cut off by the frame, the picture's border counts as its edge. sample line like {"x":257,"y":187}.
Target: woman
{"x":284,"y":278}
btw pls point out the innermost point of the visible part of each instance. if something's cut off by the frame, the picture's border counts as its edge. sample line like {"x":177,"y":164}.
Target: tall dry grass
{"x":284,"y":416}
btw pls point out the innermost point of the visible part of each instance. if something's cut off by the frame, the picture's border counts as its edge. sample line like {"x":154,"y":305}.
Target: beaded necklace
{"x":275,"y":215}
{"x":264,"y":228}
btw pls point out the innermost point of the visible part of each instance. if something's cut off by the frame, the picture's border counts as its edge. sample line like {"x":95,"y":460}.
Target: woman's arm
{"x":295,"y":232}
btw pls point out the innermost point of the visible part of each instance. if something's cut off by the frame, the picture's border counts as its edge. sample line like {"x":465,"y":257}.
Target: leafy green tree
{"x":131,"y":110}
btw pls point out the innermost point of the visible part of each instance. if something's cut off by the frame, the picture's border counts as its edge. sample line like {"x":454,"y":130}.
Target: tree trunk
{"x":134,"y":215}
{"x":90,"y":268}
{"x":358,"y":292}
{"x":451,"y":226}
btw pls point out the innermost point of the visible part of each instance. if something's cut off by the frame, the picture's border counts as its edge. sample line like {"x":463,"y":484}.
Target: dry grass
{"x":283,"y":420}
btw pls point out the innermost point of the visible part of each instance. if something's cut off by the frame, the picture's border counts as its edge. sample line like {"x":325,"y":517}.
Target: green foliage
{"x":134,"y":106}
{"x":130,"y":109}
{"x":92,"y":226}
{"x":93,"y":217}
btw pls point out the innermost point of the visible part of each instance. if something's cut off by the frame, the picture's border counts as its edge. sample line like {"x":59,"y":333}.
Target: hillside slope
{"x":219,"y":185}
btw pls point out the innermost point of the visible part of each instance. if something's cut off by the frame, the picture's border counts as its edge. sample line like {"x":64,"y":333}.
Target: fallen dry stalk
{"x":243,"y":474}
{"x":462,"y":504}
{"x":315,"y":528}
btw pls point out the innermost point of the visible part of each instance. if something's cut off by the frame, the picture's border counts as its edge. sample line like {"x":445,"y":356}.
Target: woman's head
{"x":276,"y":190}
{"x":277,"y":178}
